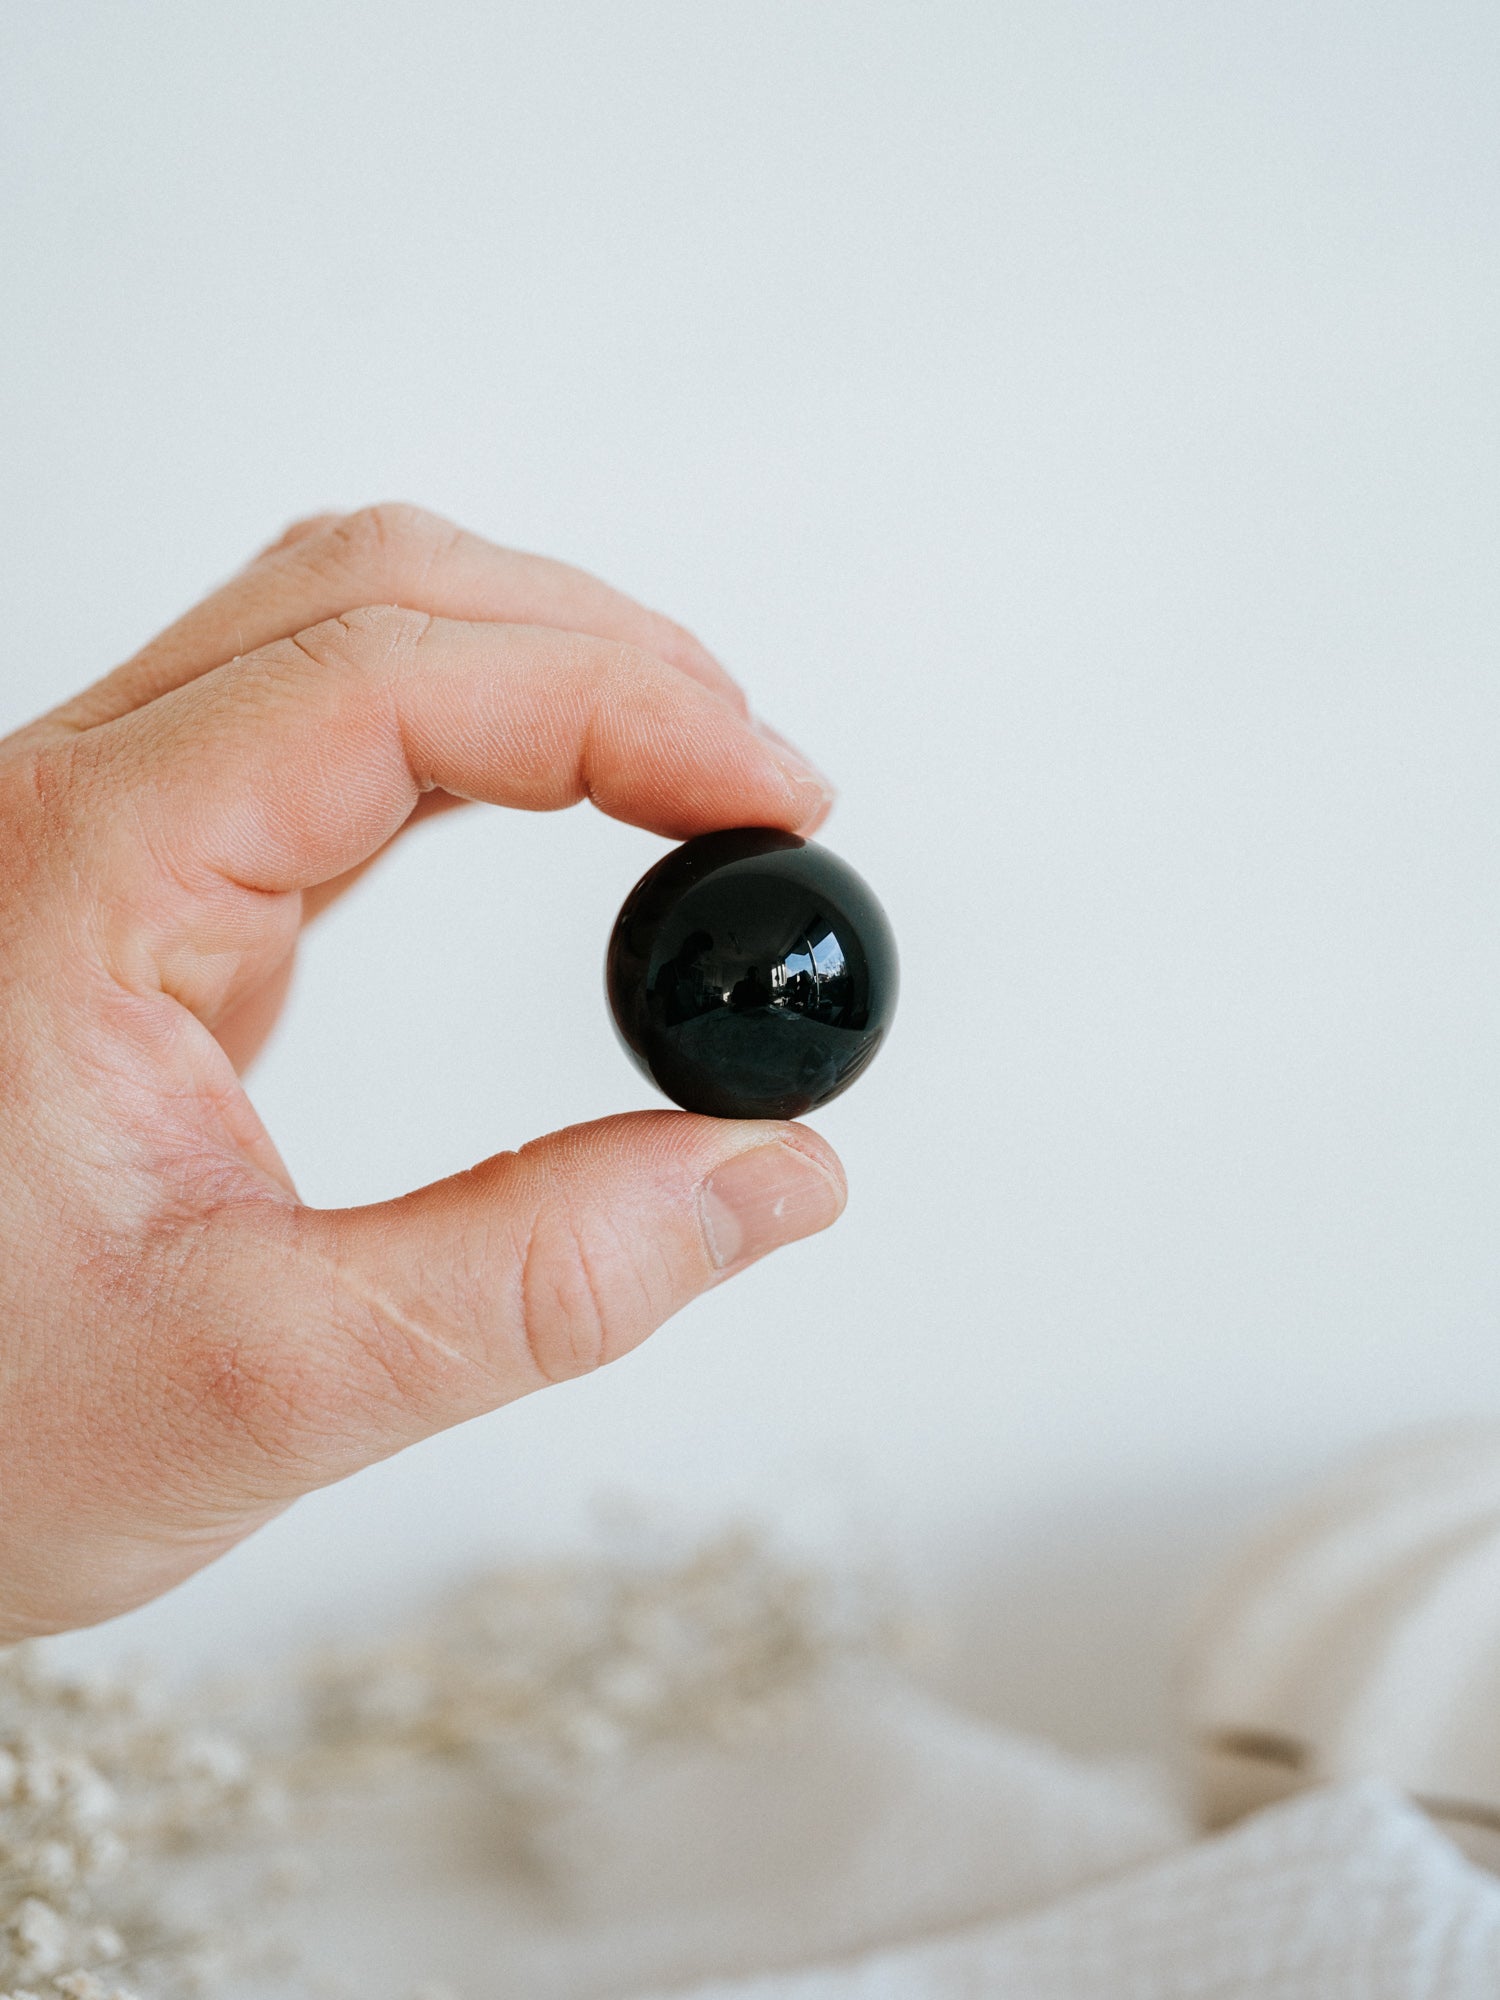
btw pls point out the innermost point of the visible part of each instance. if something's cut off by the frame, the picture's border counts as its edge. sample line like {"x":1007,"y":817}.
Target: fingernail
{"x":761,"y":1199}
{"x":799,"y":769}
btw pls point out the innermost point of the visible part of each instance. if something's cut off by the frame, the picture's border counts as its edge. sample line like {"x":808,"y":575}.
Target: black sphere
{"x":751,"y":974}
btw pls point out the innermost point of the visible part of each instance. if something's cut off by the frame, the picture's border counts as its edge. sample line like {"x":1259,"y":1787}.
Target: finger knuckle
{"x":392,"y":543}
{"x":365,"y":641}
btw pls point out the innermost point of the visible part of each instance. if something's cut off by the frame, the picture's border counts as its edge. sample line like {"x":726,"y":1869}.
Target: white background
{"x":1078,"y":425}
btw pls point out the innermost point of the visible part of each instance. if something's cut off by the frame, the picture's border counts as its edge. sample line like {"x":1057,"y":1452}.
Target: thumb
{"x":544,"y":1264}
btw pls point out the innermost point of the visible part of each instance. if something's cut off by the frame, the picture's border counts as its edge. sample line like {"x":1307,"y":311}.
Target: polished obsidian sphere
{"x":751,"y":974}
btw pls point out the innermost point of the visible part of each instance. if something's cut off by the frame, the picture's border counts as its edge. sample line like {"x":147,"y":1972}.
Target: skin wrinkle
{"x":133,"y":1279}
{"x":407,"y":630}
{"x":545,"y":1273}
{"x":385,"y":1314}
{"x":392,"y":530}
{"x":635,"y":1257}
{"x":226,"y":1399}
{"x":519,"y":1229}
{"x":583,"y":787}
{"x":350,"y":1277}
{"x":451,"y":542}
{"x":587,"y":1333}
{"x":272,"y":1404}
{"x":666,"y":1272}
{"x":418,"y":1331}
{"x":199,"y":995}
{"x":41,"y":837}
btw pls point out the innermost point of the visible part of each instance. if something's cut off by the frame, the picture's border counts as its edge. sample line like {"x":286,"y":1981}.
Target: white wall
{"x":1078,"y":423}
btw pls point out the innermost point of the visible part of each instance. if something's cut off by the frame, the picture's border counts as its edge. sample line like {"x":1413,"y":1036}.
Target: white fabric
{"x":1359,"y":1634}
{"x":883,"y":1848}
{"x":1347,"y":1894}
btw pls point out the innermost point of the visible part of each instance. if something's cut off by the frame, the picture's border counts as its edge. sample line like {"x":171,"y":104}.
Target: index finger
{"x":388,"y":554}
{"x":291,"y":765}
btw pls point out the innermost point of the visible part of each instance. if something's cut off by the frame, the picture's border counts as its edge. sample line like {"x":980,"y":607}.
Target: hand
{"x":184,"y":1347}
